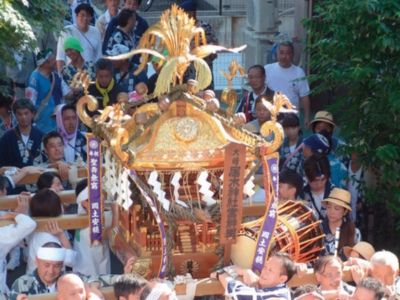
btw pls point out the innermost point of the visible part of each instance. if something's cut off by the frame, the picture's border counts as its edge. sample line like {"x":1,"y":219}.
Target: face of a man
{"x":112,"y":4}
{"x":256,"y":79}
{"x":104,"y":77}
{"x":271,"y":273}
{"x":48,"y":271}
{"x":54,"y":149}
{"x":71,"y":287}
{"x":285,"y":56}
{"x":385,"y":274}
{"x":72,"y":54}
{"x":132,"y":4}
{"x":363,"y":294}
{"x":286,"y":191}
{"x":69,"y":120}
{"x":83,"y":19}
{"x":24,"y":117}
{"x":330,"y":277}
{"x":50,"y":62}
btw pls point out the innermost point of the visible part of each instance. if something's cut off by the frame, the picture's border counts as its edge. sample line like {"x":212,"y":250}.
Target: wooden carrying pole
{"x":206,"y":287}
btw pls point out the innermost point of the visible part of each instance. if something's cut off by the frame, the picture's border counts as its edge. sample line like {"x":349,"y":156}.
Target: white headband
{"x":51,"y":254}
{"x":84,"y":195}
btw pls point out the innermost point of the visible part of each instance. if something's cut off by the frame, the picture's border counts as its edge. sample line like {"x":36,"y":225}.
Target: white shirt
{"x":90,"y":41}
{"x":69,"y":150}
{"x":290,"y":81}
{"x":10,"y":236}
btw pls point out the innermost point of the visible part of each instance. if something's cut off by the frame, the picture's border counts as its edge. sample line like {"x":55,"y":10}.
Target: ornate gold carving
{"x":143,"y":267}
{"x":186,"y":129}
{"x":190,"y":266}
{"x":267,"y":129}
{"x":90,"y":102}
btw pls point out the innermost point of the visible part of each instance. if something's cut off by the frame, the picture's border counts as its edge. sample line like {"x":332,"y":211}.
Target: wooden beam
{"x":207,"y":286}
{"x":32,"y":178}
{"x":256,"y":209}
{"x":65,"y":222}
{"x":10,"y":202}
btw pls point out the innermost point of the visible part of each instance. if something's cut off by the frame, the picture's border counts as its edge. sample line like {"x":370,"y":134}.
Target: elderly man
{"x":124,"y":69}
{"x":369,"y":289}
{"x":49,"y":262}
{"x":72,"y":287}
{"x":105,"y":89}
{"x":256,"y":77}
{"x":277,"y":271}
{"x":289,"y":79}
{"x":46,"y":90}
{"x":384,"y":266}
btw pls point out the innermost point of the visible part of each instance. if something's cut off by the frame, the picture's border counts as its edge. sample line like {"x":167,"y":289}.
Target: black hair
{"x":128,"y":284}
{"x":321,"y":263}
{"x":290,"y":120}
{"x":104,"y":64}
{"x":45,"y":203}
{"x":23,"y":103}
{"x":124,"y":16}
{"x":82,"y":184}
{"x":293,"y":179}
{"x":286,"y":44}
{"x":260,"y":67}
{"x":289,"y":267}
{"x":50,"y":135}
{"x":45,"y":180}
{"x":139,"y":2}
{"x":86,"y":7}
{"x":316,"y":166}
{"x":68,"y":106}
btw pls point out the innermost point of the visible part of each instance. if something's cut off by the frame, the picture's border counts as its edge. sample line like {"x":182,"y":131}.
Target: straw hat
{"x":363,"y":248}
{"x":339,"y":197}
{"x":323,"y":116}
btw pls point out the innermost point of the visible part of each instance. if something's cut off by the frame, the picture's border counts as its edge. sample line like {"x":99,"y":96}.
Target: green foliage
{"x":22,"y":21}
{"x":355,"y":44}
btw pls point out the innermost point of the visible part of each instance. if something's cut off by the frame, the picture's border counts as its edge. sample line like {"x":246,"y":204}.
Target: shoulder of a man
{"x":142,"y":21}
{"x":271,"y":67}
{"x":26,"y":284}
{"x":238,"y":290}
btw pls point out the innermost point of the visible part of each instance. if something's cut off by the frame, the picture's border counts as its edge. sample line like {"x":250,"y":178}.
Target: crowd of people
{"x":40,"y":129}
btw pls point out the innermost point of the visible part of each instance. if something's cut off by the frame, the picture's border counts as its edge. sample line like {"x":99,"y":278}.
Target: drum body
{"x":298,"y":232}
